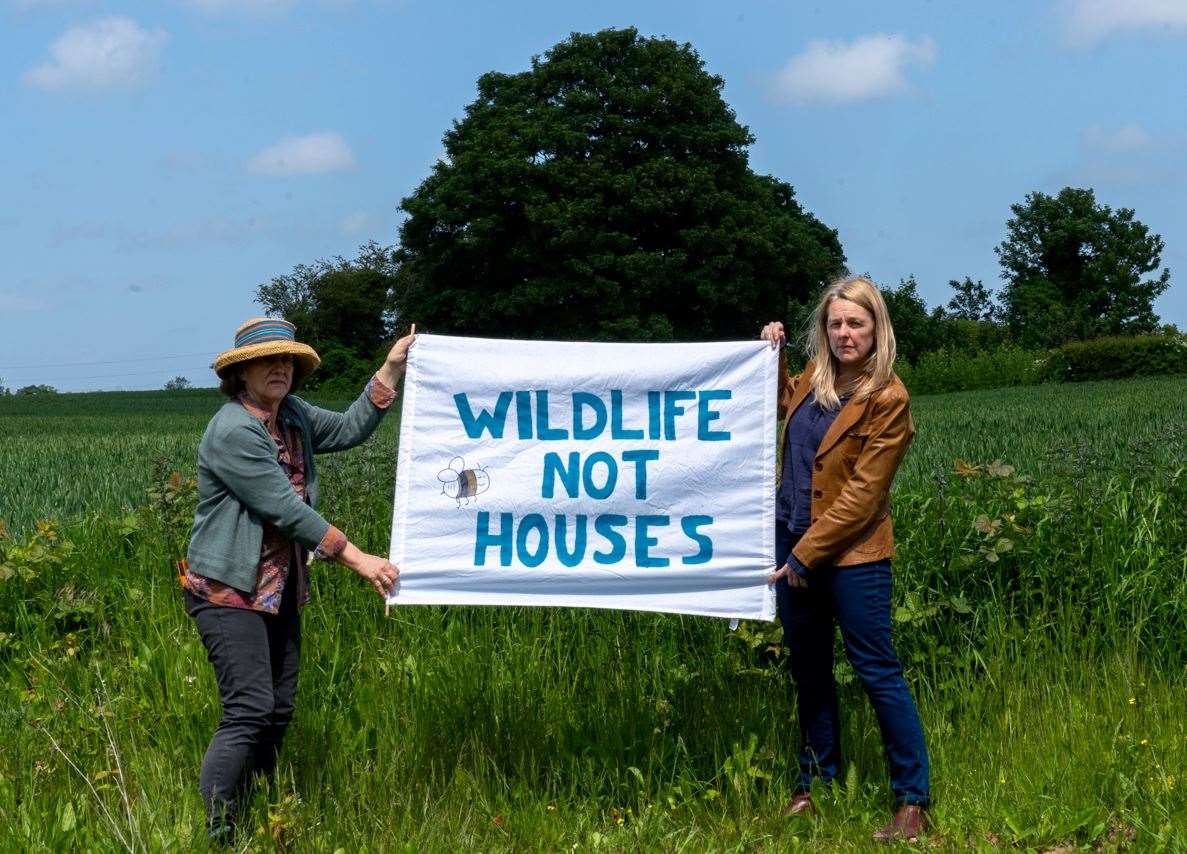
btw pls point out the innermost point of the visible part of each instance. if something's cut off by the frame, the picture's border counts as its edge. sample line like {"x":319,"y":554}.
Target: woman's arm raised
{"x":392,"y":370}
{"x":339,"y":431}
{"x":775,"y":333}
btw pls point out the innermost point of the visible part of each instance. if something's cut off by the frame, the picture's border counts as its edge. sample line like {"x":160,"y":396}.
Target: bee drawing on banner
{"x":459,"y":482}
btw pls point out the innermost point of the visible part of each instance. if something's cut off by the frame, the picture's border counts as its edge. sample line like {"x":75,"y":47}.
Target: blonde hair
{"x":878,"y":368}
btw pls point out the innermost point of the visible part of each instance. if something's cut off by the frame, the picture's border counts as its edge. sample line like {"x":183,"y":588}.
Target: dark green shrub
{"x":943,"y":370}
{"x":343,"y":372}
{"x":1119,"y":357}
{"x":971,"y":336}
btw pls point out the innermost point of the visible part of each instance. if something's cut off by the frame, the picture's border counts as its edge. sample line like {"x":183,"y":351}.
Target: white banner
{"x":636,"y":476}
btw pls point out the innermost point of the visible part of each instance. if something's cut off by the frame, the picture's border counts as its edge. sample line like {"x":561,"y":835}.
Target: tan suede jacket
{"x":854,"y":468}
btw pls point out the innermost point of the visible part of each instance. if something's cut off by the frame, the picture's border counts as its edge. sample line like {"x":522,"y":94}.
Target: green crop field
{"x":1041,"y":611}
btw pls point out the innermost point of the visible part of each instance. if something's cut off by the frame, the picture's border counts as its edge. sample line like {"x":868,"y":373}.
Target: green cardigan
{"x":241,"y":485}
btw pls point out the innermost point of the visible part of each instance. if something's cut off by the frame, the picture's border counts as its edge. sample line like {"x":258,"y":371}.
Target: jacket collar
{"x":851,"y":413}
{"x":801,"y":390}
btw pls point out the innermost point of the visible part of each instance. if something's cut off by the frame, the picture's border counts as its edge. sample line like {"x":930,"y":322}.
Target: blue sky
{"x":161,"y":159}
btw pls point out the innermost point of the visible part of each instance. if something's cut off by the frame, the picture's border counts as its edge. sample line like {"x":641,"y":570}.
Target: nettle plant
{"x":170,"y":508}
{"x":163,"y":522}
{"x":25,"y":561}
{"x":979,"y":544}
{"x":29,"y":598}
{"x":1016,"y":507}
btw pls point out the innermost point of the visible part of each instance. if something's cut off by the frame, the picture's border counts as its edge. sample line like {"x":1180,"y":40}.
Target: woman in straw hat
{"x":846,"y":427}
{"x":255,"y":528}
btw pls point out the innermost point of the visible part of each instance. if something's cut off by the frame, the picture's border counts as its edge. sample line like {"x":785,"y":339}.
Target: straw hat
{"x":266,"y":336}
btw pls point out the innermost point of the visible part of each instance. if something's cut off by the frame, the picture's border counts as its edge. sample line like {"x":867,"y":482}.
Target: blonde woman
{"x":846,"y":425}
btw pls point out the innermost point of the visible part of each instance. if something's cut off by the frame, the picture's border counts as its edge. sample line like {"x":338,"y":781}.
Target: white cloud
{"x":12,"y":301}
{"x":256,"y":8}
{"x":355,"y":224}
{"x":249,"y":7}
{"x":214,"y":230}
{"x":1091,"y":21}
{"x":867,"y":68}
{"x":1127,"y":158}
{"x":111,"y":53}
{"x":25,"y":5}
{"x":1131,"y":137}
{"x":304,"y":155}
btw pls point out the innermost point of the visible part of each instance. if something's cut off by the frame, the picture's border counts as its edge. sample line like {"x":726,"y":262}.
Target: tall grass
{"x":1049,"y":671}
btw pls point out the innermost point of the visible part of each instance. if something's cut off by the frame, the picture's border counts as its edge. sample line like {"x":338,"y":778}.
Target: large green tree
{"x":606,"y":193}
{"x":1075,"y":269}
{"x":344,"y":309}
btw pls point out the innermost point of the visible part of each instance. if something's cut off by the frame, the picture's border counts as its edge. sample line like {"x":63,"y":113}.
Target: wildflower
{"x":1133,"y":701}
{"x":1145,"y":741}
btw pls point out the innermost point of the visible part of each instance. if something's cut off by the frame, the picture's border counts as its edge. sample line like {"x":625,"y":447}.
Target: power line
{"x":108,"y":362}
{"x":149,"y":387}
{"x":113,"y":376}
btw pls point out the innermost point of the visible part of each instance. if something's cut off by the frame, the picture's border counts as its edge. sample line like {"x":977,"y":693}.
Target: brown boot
{"x":800,"y":804}
{"x":909,"y":821}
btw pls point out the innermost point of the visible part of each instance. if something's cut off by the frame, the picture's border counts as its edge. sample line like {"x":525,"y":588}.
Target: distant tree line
{"x":606,"y":194}
{"x":27,"y":391}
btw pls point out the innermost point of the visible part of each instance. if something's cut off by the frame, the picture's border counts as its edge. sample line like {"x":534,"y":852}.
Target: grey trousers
{"x":255,"y":658}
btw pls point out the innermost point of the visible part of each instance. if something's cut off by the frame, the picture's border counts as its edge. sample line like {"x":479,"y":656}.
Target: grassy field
{"x":1041,"y":610}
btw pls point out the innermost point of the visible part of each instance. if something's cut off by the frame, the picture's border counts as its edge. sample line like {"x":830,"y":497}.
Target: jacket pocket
{"x":851,"y":446}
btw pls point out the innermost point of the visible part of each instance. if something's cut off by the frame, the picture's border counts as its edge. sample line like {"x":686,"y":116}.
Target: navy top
{"x":793,"y":502}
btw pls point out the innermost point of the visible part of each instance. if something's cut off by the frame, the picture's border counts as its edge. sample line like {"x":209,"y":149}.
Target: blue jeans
{"x":858,"y":599}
